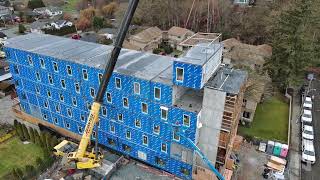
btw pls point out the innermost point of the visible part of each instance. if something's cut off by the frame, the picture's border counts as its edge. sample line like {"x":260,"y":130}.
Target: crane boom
{"x":83,"y":158}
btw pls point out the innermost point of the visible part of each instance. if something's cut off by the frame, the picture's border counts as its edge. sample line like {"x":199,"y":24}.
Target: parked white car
{"x":307,"y":132}
{"x":307,"y":102}
{"x":308,"y":153}
{"x":306,"y":116}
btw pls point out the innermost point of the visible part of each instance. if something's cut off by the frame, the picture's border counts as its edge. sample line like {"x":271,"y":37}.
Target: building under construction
{"x":148,"y":95}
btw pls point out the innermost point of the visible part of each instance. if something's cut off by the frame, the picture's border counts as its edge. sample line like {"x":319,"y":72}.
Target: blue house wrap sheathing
{"x":57,"y":79}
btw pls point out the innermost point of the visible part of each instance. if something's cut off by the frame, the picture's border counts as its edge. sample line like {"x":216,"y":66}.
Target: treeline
{"x":249,"y":24}
{"x":43,"y":139}
{"x":295,"y":42}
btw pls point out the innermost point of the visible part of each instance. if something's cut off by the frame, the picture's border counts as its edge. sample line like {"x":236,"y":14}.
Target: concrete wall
{"x":211,"y":118}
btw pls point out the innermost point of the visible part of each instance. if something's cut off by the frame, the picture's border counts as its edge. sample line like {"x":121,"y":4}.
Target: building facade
{"x":148,"y":95}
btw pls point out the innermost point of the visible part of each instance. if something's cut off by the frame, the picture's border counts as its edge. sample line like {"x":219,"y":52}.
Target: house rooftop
{"x":238,"y":52}
{"x":178,"y":31}
{"x":147,"y":35}
{"x":39,"y":24}
{"x":134,"y":63}
{"x":51,"y":8}
{"x":227,"y":80}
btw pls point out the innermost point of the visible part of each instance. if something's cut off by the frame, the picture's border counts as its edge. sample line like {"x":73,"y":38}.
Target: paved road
{"x":313,"y":172}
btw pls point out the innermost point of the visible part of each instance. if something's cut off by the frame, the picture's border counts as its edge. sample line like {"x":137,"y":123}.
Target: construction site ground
{"x":251,"y":164}
{"x":138,"y":171}
{"x":130,"y":170}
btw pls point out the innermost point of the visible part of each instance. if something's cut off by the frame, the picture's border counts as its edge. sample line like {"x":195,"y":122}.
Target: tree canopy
{"x":32,"y":4}
{"x":295,"y":42}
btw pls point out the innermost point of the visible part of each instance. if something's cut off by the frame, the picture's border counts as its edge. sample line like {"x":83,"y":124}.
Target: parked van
{"x":307,"y":104}
{"x":308,"y":153}
{"x":306,"y":116}
{"x":307,"y":132}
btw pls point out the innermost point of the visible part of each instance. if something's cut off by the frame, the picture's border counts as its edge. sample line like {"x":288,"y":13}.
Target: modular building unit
{"x":57,"y":79}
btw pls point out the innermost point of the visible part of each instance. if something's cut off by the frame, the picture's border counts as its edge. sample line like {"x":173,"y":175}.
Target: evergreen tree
{"x":37,"y":137}
{"x":19,"y":173}
{"x":25,"y":132}
{"x":43,"y":143}
{"x":97,"y":23}
{"x":31,"y":134}
{"x":15,"y":174}
{"x":30,"y":171}
{"x":40,"y":164}
{"x":48,"y":160}
{"x":32,"y":4}
{"x":54,"y":141}
{"x":21,"y":28}
{"x":15,"y":124}
{"x":293,"y":50}
{"x":48,"y":139}
{"x":19,"y":131}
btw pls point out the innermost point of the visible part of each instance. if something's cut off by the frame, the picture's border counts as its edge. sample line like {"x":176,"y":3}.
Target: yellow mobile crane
{"x":82,"y":158}
{"x":93,"y":159}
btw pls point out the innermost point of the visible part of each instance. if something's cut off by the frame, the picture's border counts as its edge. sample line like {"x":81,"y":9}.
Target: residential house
{"x":48,"y":11}
{"x":148,"y":39}
{"x":236,"y":53}
{"x":252,"y":97}
{"x":10,"y":18}
{"x":38,"y":26}
{"x":176,"y":35}
{"x":128,"y":45}
{"x":4,"y":71}
{"x":5,"y":11}
{"x":60,"y":24}
{"x":5,"y":3}
{"x":244,"y":2}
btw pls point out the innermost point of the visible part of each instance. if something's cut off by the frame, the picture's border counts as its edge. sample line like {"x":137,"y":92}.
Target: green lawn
{"x":71,"y":6}
{"x":15,"y":154}
{"x":270,"y":121}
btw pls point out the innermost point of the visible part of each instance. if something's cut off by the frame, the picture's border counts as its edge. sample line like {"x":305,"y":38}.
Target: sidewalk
{"x":294,"y":149}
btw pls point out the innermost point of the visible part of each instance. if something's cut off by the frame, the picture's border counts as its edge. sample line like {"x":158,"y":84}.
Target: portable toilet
{"x":277,"y":149}
{"x":270,"y":147}
{"x":284,"y":150}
